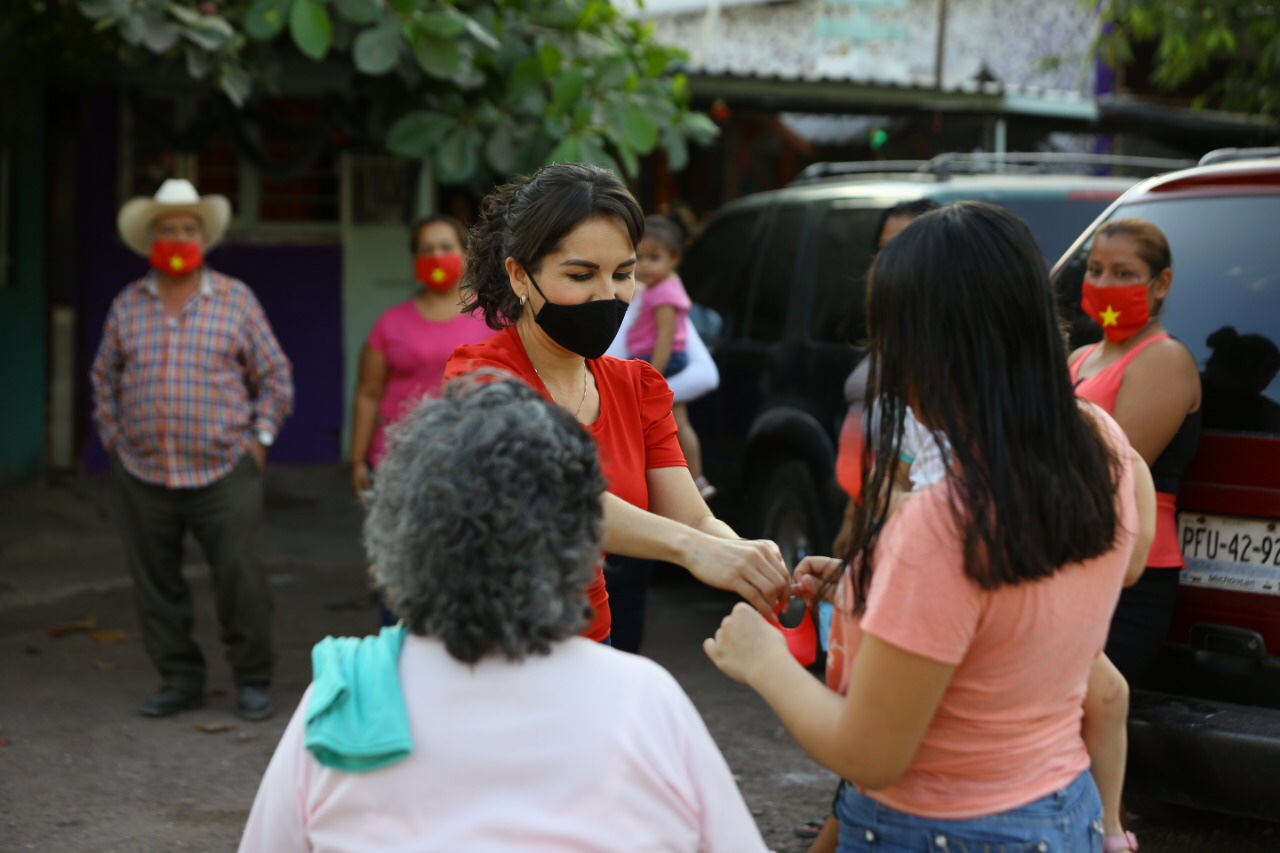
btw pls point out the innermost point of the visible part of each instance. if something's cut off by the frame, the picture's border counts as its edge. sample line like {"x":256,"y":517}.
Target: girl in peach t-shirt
{"x":981,"y":605}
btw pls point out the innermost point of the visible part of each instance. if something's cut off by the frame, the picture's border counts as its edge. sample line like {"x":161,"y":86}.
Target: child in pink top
{"x":661,"y":329}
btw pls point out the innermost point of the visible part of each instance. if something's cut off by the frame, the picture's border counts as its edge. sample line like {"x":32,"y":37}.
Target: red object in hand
{"x":797,"y":627}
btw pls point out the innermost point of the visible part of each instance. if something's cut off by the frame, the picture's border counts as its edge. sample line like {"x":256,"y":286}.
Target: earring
{"x":523,"y":297}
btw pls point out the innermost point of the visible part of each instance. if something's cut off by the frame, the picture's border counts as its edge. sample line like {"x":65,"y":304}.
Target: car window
{"x":1224,"y":303}
{"x":844,"y":254}
{"x":717,"y":268}
{"x":1057,"y":222}
{"x":773,"y":285}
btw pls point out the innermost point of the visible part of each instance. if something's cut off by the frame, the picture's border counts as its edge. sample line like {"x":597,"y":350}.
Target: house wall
{"x":23,"y":327}
{"x":1041,"y":43}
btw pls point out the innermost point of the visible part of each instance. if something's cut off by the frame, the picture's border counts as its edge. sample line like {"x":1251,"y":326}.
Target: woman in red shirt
{"x":552,"y":268}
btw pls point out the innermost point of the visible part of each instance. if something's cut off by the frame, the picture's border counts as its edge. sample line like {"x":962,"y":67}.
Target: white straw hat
{"x":175,"y":195}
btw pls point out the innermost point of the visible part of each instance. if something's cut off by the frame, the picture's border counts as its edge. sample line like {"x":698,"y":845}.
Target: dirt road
{"x":80,"y":770}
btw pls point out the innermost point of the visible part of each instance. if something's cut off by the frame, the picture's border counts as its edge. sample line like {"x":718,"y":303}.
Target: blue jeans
{"x":678,"y":361}
{"x":1066,"y":821}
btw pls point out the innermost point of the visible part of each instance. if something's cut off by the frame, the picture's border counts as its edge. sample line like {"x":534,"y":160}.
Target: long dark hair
{"x":528,"y":220}
{"x":963,"y":327}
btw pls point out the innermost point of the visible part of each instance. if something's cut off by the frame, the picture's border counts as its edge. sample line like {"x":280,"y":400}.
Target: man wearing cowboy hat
{"x":190,"y":387}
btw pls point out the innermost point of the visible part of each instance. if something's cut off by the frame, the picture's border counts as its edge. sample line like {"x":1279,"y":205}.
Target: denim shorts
{"x":678,"y":361}
{"x":1066,"y":821}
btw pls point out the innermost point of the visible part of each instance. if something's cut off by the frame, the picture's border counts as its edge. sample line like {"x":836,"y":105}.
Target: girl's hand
{"x":360,"y":481}
{"x":815,"y":579}
{"x":745,"y":645}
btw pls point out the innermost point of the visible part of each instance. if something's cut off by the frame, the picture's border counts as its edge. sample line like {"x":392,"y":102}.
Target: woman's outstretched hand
{"x":745,"y":644}
{"x":753,"y":568}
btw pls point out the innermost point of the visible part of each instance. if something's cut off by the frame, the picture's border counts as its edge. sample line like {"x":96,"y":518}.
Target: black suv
{"x":1204,"y":727}
{"x":782,"y":273}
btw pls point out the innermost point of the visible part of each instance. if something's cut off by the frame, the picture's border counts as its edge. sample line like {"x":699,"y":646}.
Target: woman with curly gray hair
{"x":552,"y":268}
{"x":482,"y":722}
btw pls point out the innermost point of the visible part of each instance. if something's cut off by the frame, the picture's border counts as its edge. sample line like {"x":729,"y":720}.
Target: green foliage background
{"x":1236,"y":40}
{"x":470,"y":85}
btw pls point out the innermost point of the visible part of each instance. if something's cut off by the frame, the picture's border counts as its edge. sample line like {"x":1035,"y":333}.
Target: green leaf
{"x":500,"y":149}
{"x":457,"y":156}
{"x":583,"y":114}
{"x":415,"y":134}
{"x":199,"y":62}
{"x":214,"y":24}
{"x":568,"y":89}
{"x":638,"y":129}
{"x":611,"y":72}
{"x":377,"y":49}
{"x":236,"y":83}
{"x":161,"y":36}
{"x":133,"y":29}
{"x":311,"y":28}
{"x":442,"y":23}
{"x":95,"y":9}
{"x":524,"y":87}
{"x":567,"y":150}
{"x":436,"y":55}
{"x":551,"y":58}
{"x":266,"y":18}
{"x":208,"y":39}
{"x":699,"y":127}
{"x":591,"y":150}
{"x":630,"y":163}
{"x":482,"y":35}
{"x":677,"y":149}
{"x":358,"y":11}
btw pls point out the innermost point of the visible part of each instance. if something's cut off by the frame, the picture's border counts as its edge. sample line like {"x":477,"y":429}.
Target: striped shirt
{"x":180,"y":399}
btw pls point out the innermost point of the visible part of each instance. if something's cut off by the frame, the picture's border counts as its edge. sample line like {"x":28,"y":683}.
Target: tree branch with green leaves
{"x":469,"y":86}
{"x":1236,"y":41}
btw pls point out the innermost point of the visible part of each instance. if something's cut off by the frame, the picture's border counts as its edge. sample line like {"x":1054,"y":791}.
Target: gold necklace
{"x":581,"y":401}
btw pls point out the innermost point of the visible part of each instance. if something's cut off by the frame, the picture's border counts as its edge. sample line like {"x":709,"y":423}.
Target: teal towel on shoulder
{"x":356,"y":720}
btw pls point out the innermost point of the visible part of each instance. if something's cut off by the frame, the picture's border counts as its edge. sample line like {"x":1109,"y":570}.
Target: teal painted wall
{"x":377,"y":272}
{"x":23,"y":326}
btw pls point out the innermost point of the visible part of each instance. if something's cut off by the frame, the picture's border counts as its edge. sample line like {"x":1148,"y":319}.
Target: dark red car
{"x":1205,"y":727}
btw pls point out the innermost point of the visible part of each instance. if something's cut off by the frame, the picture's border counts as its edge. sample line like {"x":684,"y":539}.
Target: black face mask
{"x":586,"y":329}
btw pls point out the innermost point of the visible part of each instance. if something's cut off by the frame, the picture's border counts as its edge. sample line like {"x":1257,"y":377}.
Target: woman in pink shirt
{"x":971,"y":617}
{"x":403,"y":358}
{"x":482,"y":722}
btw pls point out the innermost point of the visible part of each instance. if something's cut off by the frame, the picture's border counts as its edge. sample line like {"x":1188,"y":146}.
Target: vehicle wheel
{"x":790,"y":514}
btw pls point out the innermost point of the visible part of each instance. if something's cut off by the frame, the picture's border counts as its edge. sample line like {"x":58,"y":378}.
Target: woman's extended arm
{"x":868,"y":737}
{"x":370,"y":386}
{"x":679,"y":528}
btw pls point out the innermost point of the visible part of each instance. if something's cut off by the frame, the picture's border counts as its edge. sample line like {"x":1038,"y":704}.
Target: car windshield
{"x":1057,"y":222}
{"x":1224,"y":303}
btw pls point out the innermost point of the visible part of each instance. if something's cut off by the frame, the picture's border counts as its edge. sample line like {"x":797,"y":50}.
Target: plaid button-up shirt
{"x":180,"y":399}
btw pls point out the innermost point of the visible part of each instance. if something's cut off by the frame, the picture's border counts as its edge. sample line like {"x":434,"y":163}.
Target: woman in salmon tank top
{"x":1148,"y":382}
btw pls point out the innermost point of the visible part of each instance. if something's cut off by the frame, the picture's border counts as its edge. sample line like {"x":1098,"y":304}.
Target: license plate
{"x":1223,"y":552}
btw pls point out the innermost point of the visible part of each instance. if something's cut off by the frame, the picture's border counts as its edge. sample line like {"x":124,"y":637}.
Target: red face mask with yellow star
{"x":174,"y":257}
{"x":439,"y":272}
{"x":1121,"y":311}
